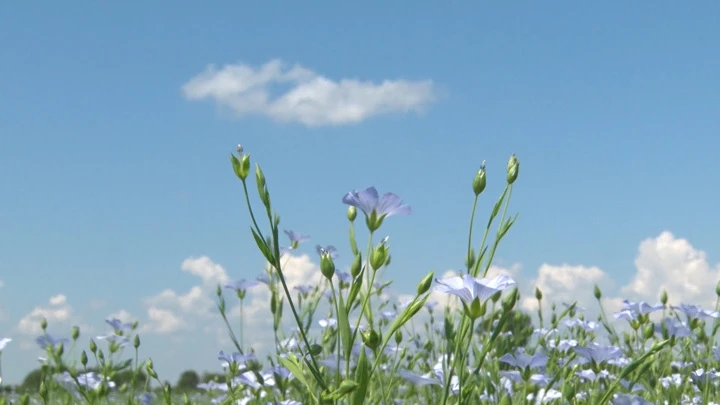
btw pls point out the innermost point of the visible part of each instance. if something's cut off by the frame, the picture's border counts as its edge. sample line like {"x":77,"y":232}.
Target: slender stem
{"x":472,"y":221}
{"x":242,"y":320}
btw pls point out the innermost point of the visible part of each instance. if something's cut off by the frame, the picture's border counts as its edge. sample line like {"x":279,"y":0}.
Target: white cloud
{"x":210,"y":272}
{"x":663,"y":262}
{"x":57,"y":312}
{"x":671,"y":263}
{"x":309,"y":98}
{"x":565,"y":283}
{"x":162,"y":321}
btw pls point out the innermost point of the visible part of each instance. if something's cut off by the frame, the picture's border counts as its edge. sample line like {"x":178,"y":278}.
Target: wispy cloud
{"x":308,"y":97}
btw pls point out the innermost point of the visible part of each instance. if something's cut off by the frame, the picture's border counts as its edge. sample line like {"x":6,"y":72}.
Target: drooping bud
{"x":425,"y":283}
{"x":513,"y":168}
{"x":479,"y":181}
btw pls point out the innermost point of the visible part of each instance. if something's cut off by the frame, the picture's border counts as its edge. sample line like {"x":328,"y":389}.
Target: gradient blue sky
{"x":110,"y":177}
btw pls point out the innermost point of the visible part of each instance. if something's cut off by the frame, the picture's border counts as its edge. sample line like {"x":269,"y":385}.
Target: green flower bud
{"x":315,"y":350}
{"x":371,"y":339}
{"x":510,"y":300}
{"x":378,"y":256}
{"x":43,"y":324}
{"x":470,"y":260}
{"x":75,"y":333}
{"x":59,"y":350}
{"x":538,"y":294}
{"x":398,"y":337}
{"x":83,"y":358}
{"x":346,"y":387}
{"x":597,"y":292}
{"x":43,"y":391}
{"x":93,"y":346}
{"x":327,"y":266}
{"x":241,"y":166}
{"x":262,"y":186}
{"x":425,"y":283}
{"x":649,"y":331}
{"x":479,"y":181}
{"x":664,"y":297}
{"x":351,"y":213}
{"x":218,"y":291}
{"x":356,"y":266}
{"x":513,"y":168}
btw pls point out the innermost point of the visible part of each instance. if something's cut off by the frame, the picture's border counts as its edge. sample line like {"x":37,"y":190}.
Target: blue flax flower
{"x":376,"y":208}
{"x":473,"y":292}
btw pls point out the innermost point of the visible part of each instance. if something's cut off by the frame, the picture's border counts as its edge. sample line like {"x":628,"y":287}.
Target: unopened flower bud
{"x":218,"y":290}
{"x":327,"y":266}
{"x":93,"y":346}
{"x":398,"y":337}
{"x":538,"y":294}
{"x":136,"y":341}
{"x":649,"y":331}
{"x":83,"y":358}
{"x":470,"y":260}
{"x":378,"y":256}
{"x":43,"y":324}
{"x":513,"y":168}
{"x":356,"y":266}
{"x":425,"y":283}
{"x":351,"y":213}
{"x":597,"y":292}
{"x":479,"y":181}
{"x":664,"y":297}
{"x":59,"y":350}
{"x":510,"y":300}
{"x":75,"y":333}
{"x":371,"y":339}
{"x":315,"y":350}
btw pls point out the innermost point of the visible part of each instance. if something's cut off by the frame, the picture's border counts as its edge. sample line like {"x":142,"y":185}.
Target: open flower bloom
{"x":376,"y":208}
{"x":468,"y":288}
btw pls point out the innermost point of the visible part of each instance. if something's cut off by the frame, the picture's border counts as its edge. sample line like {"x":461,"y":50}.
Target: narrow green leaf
{"x":296,"y":371}
{"x":344,"y":327}
{"x":263,"y":248}
{"x":362,"y":377}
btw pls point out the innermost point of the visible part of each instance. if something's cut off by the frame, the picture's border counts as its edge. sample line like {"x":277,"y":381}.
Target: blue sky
{"x":113,"y":171}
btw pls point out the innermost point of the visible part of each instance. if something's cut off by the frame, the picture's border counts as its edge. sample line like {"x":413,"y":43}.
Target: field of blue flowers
{"x":360,"y":348}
